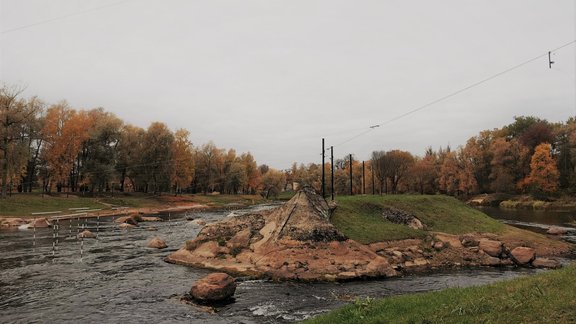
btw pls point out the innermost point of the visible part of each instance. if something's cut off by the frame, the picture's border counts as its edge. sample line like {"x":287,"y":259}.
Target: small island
{"x":363,"y":237}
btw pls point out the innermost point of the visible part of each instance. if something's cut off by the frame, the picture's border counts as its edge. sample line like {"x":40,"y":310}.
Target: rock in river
{"x":86,"y":234}
{"x":157,"y":243}
{"x":214,"y":288}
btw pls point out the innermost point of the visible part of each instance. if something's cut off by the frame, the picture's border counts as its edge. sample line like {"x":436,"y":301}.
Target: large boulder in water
{"x":157,"y":243}
{"x":295,"y":241}
{"x":214,"y":287}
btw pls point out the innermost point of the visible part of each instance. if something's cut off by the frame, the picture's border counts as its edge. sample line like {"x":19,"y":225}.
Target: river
{"x":536,"y":220}
{"x":116,"y":279}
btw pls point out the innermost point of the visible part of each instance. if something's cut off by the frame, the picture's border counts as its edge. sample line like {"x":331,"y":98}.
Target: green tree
{"x":129,"y":155}
{"x":157,"y":157}
{"x":98,"y":156}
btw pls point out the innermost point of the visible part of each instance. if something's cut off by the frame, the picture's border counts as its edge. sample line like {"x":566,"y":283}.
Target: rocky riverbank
{"x":298,"y":241}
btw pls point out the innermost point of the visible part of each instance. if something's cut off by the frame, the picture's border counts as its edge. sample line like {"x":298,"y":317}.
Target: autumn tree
{"x":565,"y":153}
{"x":273,"y":181}
{"x":253,"y":174}
{"x":423,"y":173}
{"x":467,"y":183}
{"x":183,"y":160}
{"x":507,"y":165}
{"x":544,"y":174}
{"x":448,"y":176}
{"x":208,"y":161}
{"x":16,"y":124}
{"x":65,"y":130}
{"x":479,"y":154}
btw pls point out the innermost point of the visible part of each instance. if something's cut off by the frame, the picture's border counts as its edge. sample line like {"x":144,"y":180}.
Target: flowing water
{"x":116,"y":279}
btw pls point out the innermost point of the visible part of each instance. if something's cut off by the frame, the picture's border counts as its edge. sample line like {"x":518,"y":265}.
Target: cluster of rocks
{"x":398,"y":216}
{"x":444,"y":250}
{"x":295,"y":241}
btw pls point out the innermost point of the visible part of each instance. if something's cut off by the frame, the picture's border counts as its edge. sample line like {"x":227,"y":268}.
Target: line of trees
{"x":59,"y":148}
{"x":530,"y":155}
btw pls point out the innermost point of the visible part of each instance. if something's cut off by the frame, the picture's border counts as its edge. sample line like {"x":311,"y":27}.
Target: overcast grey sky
{"x":273,"y":77}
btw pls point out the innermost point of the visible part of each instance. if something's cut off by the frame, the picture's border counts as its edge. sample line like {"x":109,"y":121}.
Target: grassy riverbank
{"x":360,"y":217}
{"x":22,"y":205}
{"x":549,"y":297}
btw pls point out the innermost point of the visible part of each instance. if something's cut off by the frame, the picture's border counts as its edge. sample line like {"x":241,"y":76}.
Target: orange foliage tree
{"x":64,"y":132}
{"x":544,"y":174}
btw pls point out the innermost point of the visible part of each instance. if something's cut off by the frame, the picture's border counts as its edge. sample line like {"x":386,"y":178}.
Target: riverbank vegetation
{"x":546,"y":297}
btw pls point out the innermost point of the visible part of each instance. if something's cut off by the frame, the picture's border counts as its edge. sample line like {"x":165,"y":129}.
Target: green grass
{"x":548,"y":297}
{"x":25,"y":204}
{"x":360,"y":217}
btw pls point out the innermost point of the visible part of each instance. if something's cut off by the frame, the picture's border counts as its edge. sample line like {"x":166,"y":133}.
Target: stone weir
{"x":292,"y":242}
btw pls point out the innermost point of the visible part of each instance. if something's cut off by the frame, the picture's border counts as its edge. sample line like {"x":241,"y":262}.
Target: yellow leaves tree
{"x":252,"y":172}
{"x":273,"y":181}
{"x":423,"y":173}
{"x":544,"y":174}
{"x":183,"y":157}
{"x":64,"y":131}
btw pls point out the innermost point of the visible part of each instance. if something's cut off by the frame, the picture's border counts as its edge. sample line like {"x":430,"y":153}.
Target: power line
{"x":433,"y":102}
{"x":63,"y":17}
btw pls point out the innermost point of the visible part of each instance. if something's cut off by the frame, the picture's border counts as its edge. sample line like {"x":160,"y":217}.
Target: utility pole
{"x":332,"y":170}
{"x":323,"y":172}
{"x":351,"y":192}
{"x":363,"y":179}
{"x":373,"y":183}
